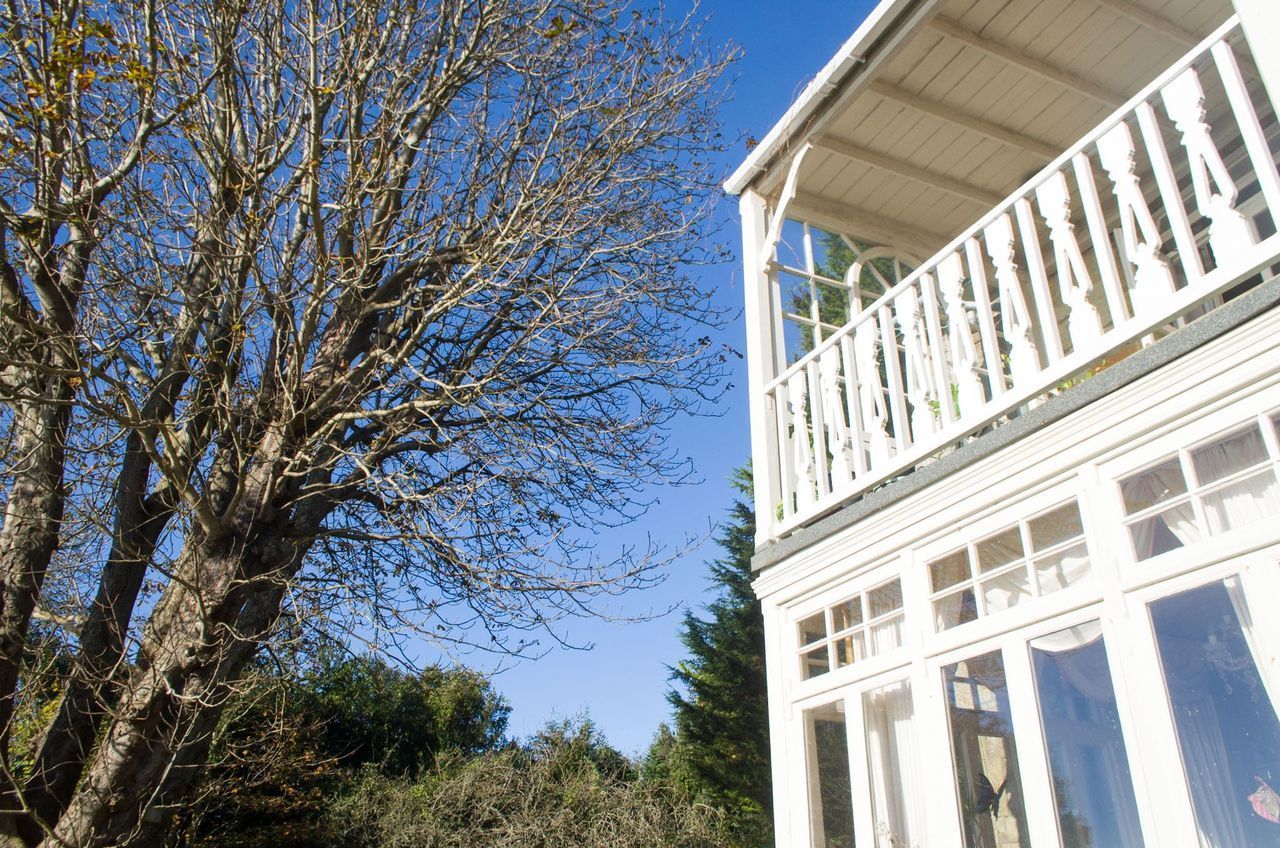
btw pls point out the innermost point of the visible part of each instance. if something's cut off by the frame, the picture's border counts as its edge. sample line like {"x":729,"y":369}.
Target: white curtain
{"x":1181,"y":519}
{"x":891,"y":758}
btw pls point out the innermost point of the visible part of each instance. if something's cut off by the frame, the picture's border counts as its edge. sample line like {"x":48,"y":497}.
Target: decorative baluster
{"x":1229,"y":232}
{"x":853,"y":404}
{"x":786,"y":456}
{"x":898,"y":412}
{"x":936,"y":348}
{"x":801,"y":442}
{"x":839,"y":444}
{"x":871,"y":403}
{"x":963,"y":350}
{"x":1153,"y":280}
{"x":986,"y":318}
{"x":1015,"y":318}
{"x":818,"y":428}
{"x":918,"y":379}
{"x":1074,"y":282}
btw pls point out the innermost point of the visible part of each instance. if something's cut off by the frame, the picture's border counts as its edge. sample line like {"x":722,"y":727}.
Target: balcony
{"x":1166,"y":208}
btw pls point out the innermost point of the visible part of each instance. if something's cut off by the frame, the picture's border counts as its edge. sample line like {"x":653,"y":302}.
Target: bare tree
{"x":354,"y":310}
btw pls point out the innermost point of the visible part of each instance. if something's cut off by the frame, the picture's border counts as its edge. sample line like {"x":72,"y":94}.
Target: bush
{"x":566,"y":789}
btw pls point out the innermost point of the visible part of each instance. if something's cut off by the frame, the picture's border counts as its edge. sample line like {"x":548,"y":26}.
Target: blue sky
{"x":621,"y":682}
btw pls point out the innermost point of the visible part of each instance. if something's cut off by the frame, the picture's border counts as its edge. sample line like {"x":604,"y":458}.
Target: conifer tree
{"x":721,"y":746}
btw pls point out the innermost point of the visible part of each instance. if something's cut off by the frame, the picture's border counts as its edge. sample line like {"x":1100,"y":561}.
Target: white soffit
{"x":882,"y":18}
{"x":935,"y":110}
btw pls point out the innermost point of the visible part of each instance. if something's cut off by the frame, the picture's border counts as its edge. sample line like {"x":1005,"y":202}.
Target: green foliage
{"x":564,"y":789}
{"x":375,"y":713}
{"x":287,"y":747}
{"x":719,"y":753}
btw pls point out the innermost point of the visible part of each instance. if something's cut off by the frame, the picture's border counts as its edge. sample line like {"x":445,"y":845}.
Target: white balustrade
{"x":1098,"y":251}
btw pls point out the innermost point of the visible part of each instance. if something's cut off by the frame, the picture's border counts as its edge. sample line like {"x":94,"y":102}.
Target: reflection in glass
{"x":1092,"y":785}
{"x":1242,"y":503}
{"x":1063,"y":569}
{"x":1225,"y":713}
{"x":1000,"y":593}
{"x":986,"y":761}
{"x":1150,"y":487}
{"x":847,"y":614}
{"x":1228,"y":455}
{"x":1000,"y":549}
{"x":815,"y":662}
{"x":891,"y":761}
{"x":1057,"y":526}
{"x":830,"y":788}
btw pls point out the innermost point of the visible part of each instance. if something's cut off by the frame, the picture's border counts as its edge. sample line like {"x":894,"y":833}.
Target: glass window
{"x":853,"y":635}
{"x":830,"y":786}
{"x":1225,"y":713}
{"x":891,"y":762}
{"x":1092,"y":786}
{"x":986,"y":759}
{"x":1234,"y":486}
{"x":1034,"y":557}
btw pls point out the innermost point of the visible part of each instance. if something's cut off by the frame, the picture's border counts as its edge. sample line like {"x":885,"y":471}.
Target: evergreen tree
{"x":720,"y":752}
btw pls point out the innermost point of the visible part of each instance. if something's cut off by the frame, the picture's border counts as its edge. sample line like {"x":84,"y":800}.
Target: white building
{"x":1020,"y":574}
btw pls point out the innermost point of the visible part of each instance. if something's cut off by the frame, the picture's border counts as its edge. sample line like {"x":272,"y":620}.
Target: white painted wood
{"x":973,"y":193}
{"x":1153,"y":279}
{"x":1066,"y":79}
{"x":986,"y":321}
{"x":1075,"y":284}
{"x":1260,"y":20}
{"x":874,"y":411}
{"x":817,"y":425}
{"x":1091,"y":201}
{"x":937,"y":351}
{"x":1215,"y":191}
{"x":858,"y":437}
{"x":962,"y":349}
{"x":802,"y":458}
{"x":942,"y":111}
{"x":1040,"y":294}
{"x":760,"y":361}
{"x":898,"y":413}
{"x":1152,"y":20}
{"x":1167,"y":181}
{"x":1015,"y":318}
{"x":1264,"y":164}
{"x":780,"y":208}
{"x":918,"y":378}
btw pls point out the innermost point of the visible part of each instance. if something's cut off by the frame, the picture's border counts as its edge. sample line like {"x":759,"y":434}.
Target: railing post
{"x":1260,"y":20}
{"x":761,"y":365}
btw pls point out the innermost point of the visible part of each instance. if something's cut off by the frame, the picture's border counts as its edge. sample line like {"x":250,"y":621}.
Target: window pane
{"x":1063,"y":569}
{"x":1224,"y":711}
{"x":1229,"y":455}
{"x":1092,"y":786}
{"x":813,"y":629}
{"x":830,"y":789}
{"x":986,"y":761}
{"x":886,"y":635}
{"x":1000,"y":549}
{"x":847,"y":614}
{"x":1007,"y":590}
{"x":891,"y":758}
{"x":1243,"y":502}
{"x":814,"y":663}
{"x":850,"y":649}
{"x":1152,"y":486}
{"x":1057,"y":526}
{"x":949,"y":570}
{"x":956,"y":608}
{"x":1167,"y":531}
{"x":885,"y":599}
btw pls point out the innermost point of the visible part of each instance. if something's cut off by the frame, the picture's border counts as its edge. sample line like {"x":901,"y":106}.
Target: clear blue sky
{"x":621,"y":682}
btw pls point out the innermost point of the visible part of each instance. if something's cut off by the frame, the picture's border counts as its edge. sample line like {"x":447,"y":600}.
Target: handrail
{"x":1021,"y":192}
{"x":848,"y":415}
